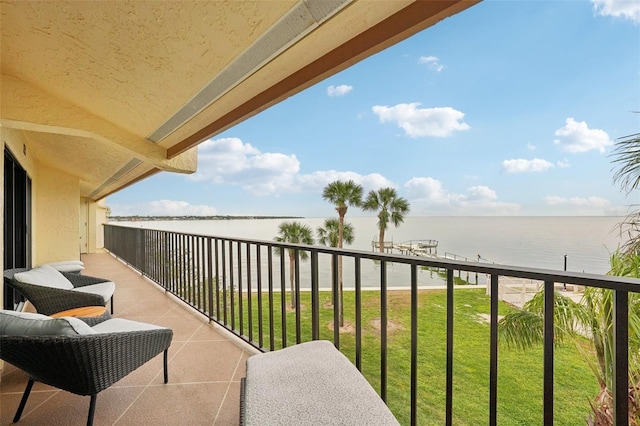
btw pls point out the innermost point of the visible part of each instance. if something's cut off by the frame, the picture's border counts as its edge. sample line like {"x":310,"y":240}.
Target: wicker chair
{"x":79,"y":359}
{"x":84,"y":290}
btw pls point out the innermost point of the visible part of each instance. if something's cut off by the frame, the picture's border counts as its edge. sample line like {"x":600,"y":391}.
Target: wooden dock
{"x":413,"y":247}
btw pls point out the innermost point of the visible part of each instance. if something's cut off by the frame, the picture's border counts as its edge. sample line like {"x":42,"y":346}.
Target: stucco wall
{"x":55,"y":196}
{"x":97,"y":217}
{"x":55,"y":206}
{"x":56,"y":216}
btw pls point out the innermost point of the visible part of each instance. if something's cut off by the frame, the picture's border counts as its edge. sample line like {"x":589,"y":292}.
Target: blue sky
{"x":508,"y":108}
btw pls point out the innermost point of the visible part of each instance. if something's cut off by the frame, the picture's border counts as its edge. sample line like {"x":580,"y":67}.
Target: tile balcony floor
{"x":205,"y":368}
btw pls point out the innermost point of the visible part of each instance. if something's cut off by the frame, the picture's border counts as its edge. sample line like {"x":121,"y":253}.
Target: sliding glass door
{"x":17,"y":221}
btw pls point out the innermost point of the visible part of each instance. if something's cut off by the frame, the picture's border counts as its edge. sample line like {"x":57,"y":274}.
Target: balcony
{"x":237,"y":284}
{"x":205,"y":367}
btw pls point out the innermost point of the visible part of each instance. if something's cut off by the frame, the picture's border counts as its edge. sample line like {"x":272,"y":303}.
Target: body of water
{"x":534,"y":241}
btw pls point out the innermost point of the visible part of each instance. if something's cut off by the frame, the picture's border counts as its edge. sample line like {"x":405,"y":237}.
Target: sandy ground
{"x":519,"y":298}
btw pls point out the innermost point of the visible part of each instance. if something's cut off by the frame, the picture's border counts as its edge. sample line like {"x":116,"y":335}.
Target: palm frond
{"x":524,"y":328}
{"x":343,"y":194}
{"x":592,"y":362}
{"x":390,"y":207}
{"x":521,"y":329}
{"x":569,"y":316}
{"x":296,"y":233}
{"x":329,"y":233}
{"x":626,"y":155}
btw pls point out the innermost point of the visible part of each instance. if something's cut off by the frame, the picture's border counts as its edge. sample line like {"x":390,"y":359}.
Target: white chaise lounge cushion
{"x":73,"y":266}
{"x":44,"y":275}
{"x":104,"y":289}
{"x":67,"y":262}
{"x":121,"y":325}
{"x":29,"y":324}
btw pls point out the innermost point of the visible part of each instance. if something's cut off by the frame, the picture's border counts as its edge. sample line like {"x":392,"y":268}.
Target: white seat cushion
{"x":104,"y":289}
{"x":68,"y":267}
{"x":72,"y":266}
{"x":29,"y":324}
{"x":117,"y":325}
{"x":67,"y":262}
{"x":46,"y":276}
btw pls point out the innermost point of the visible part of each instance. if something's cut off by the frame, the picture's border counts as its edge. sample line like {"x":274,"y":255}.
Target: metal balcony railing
{"x":241,"y":285}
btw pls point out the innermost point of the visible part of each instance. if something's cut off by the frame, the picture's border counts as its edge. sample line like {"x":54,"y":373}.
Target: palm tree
{"x":627,"y":156}
{"x":328,"y":235}
{"x":297,"y":233}
{"x":624,"y":262}
{"x":390,"y":208}
{"x":342,"y":195}
{"x":593,"y":317}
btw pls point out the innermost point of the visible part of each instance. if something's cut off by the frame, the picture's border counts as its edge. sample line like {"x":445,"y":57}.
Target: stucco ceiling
{"x":132,"y":87}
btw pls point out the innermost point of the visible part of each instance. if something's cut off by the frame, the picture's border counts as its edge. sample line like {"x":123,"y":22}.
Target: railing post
{"x":283,"y":299}
{"x":240,"y":295}
{"x":272,"y":337}
{"x":182,"y":285}
{"x":315,"y":297}
{"x":493,"y":353}
{"x":217,"y":277}
{"x":449,"y":379}
{"x":358,"y":279}
{"x":249,"y":294}
{"x":549,"y":299}
{"x":414,"y":345}
{"x":202,"y":276}
{"x":259,"y":284}
{"x":232,"y":288}
{"x":621,"y":357}
{"x":336,"y":301}
{"x":223,"y":246}
{"x":383,"y":330}
{"x":296,"y":290}
{"x":192,"y":271}
{"x":210,"y":277}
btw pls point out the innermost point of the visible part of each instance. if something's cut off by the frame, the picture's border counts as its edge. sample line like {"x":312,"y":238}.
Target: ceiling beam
{"x":27,"y":108}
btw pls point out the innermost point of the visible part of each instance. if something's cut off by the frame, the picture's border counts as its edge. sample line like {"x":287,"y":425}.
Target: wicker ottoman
{"x":309,"y":384}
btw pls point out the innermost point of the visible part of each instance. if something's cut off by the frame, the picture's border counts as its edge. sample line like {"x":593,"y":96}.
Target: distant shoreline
{"x":216,"y":217}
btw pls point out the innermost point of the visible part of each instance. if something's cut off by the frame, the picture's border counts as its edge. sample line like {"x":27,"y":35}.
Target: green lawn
{"x":520,"y":376}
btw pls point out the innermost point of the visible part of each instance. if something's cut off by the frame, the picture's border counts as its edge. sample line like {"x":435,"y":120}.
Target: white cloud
{"x":577,"y":137}
{"x":625,"y":9}
{"x":432,"y":62}
{"x":230,"y":161}
{"x":429,"y":189}
{"x":316,"y":181}
{"x":481,"y":193}
{"x":521,"y":165}
{"x":422,"y":122}
{"x":427,"y":195}
{"x":341,"y":90}
{"x":531,"y":147}
{"x":554,"y":200}
{"x":589,"y":202}
{"x":563,"y":164}
{"x":162,"y":208}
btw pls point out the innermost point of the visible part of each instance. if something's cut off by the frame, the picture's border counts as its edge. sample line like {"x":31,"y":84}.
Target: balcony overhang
{"x":115,"y":91}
